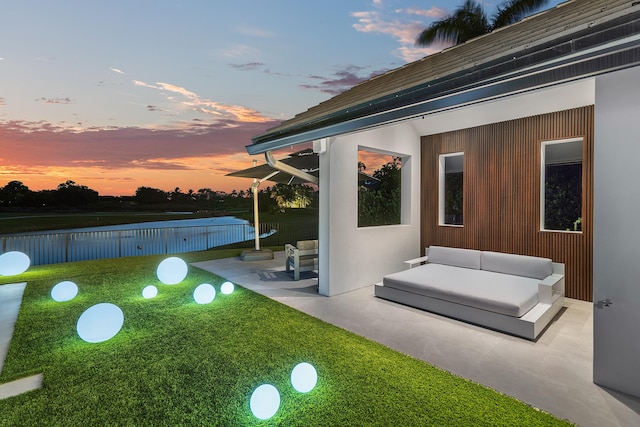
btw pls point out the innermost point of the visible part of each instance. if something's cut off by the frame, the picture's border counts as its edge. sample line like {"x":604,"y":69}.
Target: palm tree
{"x":469,"y":21}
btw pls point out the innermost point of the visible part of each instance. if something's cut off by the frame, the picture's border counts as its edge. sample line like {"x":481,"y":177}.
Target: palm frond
{"x":466,"y":22}
{"x":514,"y":10}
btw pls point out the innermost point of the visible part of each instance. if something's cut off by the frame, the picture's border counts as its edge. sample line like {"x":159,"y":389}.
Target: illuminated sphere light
{"x":13,"y":262}
{"x":304,"y":377}
{"x":227,"y":288}
{"x":64,"y":291}
{"x":172,"y":270}
{"x":100,"y":322}
{"x":150,"y":291}
{"x":265,"y":401}
{"x":204,"y":293}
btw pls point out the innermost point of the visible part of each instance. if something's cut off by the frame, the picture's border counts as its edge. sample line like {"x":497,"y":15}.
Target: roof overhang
{"x":599,"y":49}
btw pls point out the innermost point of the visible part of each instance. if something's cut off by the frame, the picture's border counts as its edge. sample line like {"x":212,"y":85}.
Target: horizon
{"x":115,"y":96}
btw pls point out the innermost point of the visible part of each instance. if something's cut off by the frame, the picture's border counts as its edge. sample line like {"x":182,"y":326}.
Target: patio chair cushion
{"x":486,"y":290}
{"x":466,"y":258}
{"x":518,"y":265}
{"x":306,"y":245}
{"x":306,"y":261}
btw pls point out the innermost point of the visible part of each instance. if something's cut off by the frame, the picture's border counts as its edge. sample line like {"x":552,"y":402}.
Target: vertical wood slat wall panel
{"x":502,"y":192}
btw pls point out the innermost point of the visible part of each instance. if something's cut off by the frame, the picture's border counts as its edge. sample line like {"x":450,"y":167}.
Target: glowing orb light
{"x":227,"y":288}
{"x":204,"y":293}
{"x":64,"y":291}
{"x":100,"y":322}
{"x":150,"y":291}
{"x":304,"y":377}
{"x":265,"y":401}
{"x":172,"y":270}
{"x":13,"y":262}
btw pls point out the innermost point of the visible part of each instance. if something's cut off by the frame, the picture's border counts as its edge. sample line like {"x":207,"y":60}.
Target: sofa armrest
{"x":289,"y":249}
{"x":416,"y":261}
{"x":551,"y":288}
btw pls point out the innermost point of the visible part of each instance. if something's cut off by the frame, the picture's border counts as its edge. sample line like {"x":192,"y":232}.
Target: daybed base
{"x":529,"y":326}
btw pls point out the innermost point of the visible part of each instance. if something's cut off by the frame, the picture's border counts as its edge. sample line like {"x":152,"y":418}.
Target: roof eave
{"x":603,"y":48}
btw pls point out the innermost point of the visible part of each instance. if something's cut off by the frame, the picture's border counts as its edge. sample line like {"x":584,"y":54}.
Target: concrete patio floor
{"x":553,"y":374}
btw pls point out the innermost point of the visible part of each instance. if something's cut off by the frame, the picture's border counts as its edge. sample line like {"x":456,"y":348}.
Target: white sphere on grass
{"x":204,"y":293}
{"x":64,"y":291}
{"x":100,"y":322}
{"x":227,"y":288}
{"x":304,"y":377}
{"x":14,"y":262}
{"x":172,"y":270}
{"x":265,"y":402}
{"x":149,"y":291}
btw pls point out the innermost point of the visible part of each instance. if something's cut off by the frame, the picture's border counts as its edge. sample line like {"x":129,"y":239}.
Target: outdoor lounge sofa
{"x":302,"y":257}
{"x":515,"y":294}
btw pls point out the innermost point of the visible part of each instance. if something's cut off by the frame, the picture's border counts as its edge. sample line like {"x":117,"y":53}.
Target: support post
{"x":256,"y":218}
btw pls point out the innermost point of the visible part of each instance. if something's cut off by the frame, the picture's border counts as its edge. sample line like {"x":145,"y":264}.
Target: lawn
{"x":176,"y":362}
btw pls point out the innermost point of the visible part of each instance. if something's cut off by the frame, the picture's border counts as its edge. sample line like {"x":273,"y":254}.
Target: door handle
{"x":605,"y":302}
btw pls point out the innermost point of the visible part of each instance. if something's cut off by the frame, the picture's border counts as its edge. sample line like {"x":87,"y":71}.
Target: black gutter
{"x":478,"y":84}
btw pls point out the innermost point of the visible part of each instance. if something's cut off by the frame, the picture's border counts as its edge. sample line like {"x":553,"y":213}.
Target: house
{"x":557,"y":93}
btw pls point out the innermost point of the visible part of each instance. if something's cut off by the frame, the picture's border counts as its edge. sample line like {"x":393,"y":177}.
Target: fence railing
{"x":88,"y":245}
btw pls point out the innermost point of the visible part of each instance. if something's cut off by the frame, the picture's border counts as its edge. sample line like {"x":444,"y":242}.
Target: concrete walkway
{"x":10,"y":300}
{"x":553,"y":374}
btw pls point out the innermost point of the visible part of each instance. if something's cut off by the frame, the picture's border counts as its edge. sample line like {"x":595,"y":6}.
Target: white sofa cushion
{"x":466,"y":258}
{"x":518,"y":265}
{"x":486,"y":290}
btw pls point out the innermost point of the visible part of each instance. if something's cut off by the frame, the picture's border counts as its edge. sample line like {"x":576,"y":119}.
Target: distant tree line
{"x":72,"y":196}
{"x":68,"y":194}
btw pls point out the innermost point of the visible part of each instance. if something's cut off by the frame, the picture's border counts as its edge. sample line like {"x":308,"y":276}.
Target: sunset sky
{"x":120,"y":94}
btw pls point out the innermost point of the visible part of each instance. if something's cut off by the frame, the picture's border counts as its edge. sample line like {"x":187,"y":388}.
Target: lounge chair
{"x":301,"y":257}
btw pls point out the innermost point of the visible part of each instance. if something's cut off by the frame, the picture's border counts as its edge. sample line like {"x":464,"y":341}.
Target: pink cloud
{"x":433,"y":13}
{"x":404,"y":31}
{"x":43,"y":144}
{"x":341,"y":80}
{"x":42,"y":155}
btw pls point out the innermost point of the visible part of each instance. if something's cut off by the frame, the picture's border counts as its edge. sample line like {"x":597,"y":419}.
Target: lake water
{"x":148,"y":238}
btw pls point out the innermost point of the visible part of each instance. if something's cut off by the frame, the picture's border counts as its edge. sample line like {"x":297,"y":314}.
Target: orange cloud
{"x":196,"y":103}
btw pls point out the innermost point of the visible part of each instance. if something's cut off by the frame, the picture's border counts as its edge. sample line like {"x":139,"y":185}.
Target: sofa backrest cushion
{"x":307,"y":245}
{"x":467,"y":258}
{"x":518,"y":265}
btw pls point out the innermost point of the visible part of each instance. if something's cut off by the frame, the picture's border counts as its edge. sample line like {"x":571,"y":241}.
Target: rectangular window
{"x":379,"y":188}
{"x":561,"y":185}
{"x":451,"y":189}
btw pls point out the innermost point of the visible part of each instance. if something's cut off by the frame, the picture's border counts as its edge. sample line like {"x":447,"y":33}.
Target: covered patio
{"x":554,"y":374}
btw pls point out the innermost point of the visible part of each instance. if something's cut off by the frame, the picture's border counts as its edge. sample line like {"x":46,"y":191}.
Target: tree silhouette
{"x":16,"y":194}
{"x":71,"y":194}
{"x":148,"y":195}
{"x":469,"y":21}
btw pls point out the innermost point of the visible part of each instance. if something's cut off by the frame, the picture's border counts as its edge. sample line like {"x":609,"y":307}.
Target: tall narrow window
{"x":450,"y":191}
{"x":561,"y":185}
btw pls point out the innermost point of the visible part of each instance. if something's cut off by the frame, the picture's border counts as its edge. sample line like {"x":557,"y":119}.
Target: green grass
{"x":179,"y":363}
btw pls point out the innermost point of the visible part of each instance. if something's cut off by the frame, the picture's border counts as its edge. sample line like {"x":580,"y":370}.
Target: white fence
{"x":80,"y":246}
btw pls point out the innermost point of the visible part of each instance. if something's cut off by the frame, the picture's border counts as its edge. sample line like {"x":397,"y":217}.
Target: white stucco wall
{"x":352,"y":257}
{"x":616,"y":271}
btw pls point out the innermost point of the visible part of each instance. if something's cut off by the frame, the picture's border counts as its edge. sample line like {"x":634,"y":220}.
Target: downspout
{"x":283,"y":167}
